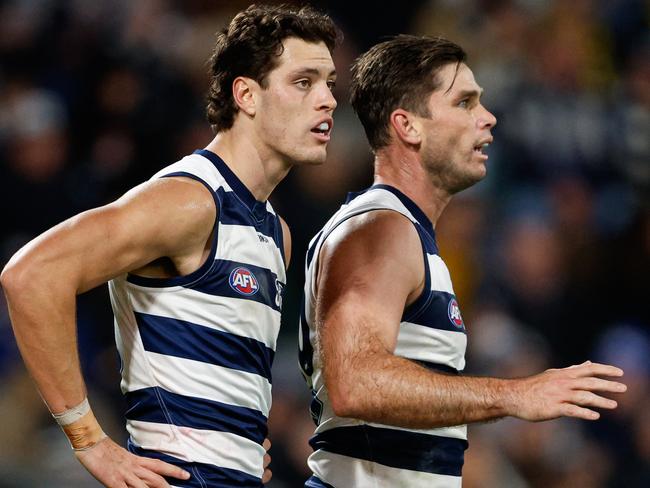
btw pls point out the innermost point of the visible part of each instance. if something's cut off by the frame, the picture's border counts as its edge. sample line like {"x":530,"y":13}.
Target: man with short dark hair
{"x":382,"y":336}
{"x":195,"y":259}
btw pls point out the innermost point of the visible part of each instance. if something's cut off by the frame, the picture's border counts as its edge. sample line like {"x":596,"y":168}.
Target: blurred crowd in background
{"x":550,"y":254}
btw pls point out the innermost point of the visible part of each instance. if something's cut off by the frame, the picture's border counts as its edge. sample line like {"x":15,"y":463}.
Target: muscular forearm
{"x":42,"y":313}
{"x":395,"y":391}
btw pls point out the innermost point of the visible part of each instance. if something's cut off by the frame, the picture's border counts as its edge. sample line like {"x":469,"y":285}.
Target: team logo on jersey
{"x":243,"y":281}
{"x":453,"y":310}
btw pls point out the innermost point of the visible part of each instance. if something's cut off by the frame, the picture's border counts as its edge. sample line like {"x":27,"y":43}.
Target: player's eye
{"x":331,"y":84}
{"x":464,"y":103}
{"x":303,"y":83}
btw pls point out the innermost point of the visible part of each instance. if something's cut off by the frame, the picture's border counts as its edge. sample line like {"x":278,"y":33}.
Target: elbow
{"x":345,"y":399}
{"x":10,"y":278}
{"x":15,"y":276}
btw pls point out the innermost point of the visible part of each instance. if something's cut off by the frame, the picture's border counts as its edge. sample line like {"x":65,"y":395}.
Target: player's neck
{"x":259,"y":172}
{"x":404,"y":171}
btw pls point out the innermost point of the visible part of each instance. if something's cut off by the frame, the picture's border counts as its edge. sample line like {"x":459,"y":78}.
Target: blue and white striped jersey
{"x":354,"y":453}
{"x":196,"y":350}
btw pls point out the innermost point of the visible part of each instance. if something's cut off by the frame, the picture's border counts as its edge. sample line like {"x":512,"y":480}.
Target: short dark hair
{"x":398,"y":73}
{"x":251,"y":45}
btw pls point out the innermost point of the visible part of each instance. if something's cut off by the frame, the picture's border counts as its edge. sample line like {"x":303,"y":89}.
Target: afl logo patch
{"x":454,"y":314}
{"x":243,"y":281}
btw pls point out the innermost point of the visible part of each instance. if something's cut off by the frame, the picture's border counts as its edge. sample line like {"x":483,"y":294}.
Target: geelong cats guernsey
{"x":353,"y":453}
{"x":196,"y":350}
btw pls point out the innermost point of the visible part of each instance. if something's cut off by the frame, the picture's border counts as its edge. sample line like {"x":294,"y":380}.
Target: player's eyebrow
{"x":469,"y":94}
{"x":311,"y":71}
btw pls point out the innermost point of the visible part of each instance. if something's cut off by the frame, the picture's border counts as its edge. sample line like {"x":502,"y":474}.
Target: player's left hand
{"x":267,"y":460}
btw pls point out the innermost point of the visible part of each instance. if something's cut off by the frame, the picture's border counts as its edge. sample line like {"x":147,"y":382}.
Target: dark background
{"x":550,"y":254}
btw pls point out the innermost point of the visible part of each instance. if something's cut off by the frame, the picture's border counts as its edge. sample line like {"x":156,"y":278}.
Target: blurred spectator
{"x":550,"y":254}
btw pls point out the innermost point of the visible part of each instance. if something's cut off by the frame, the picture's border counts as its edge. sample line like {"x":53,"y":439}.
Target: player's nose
{"x":326,"y":100}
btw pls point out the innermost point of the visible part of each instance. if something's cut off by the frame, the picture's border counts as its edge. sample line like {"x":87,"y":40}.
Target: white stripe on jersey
{"x":440,"y":278}
{"x":432,"y":345}
{"x":234,"y":244}
{"x":207,"y":446}
{"x":196,"y":165}
{"x":253,"y":319}
{"x":347,"y":472}
{"x":196,"y":379}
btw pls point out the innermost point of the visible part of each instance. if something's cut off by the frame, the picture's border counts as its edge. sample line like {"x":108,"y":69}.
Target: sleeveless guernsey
{"x":196,"y":350}
{"x":352,"y":453}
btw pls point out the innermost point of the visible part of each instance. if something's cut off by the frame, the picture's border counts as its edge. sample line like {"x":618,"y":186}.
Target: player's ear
{"x":242,"y":91}
{"x":406,"y":126}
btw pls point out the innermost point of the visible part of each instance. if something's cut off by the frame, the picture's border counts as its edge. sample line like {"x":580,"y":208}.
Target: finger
{"x":570,"y":410}
{"x":152,"y":479}
{"x":268,"y":474}
{"x":164,"y":469}
{"x":589,"y":399}
{"x":266,"y":444}
{"x":133,"y":481}
{"x":598,"y":369}
{"x":598,"y":384}
{"x":267,"y":461}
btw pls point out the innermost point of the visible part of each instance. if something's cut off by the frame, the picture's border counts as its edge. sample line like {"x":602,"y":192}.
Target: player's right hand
{"x":566,"y":392}
{"x":115,"y":467}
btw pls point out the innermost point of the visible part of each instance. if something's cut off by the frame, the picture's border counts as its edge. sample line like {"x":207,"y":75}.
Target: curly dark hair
{"x":251,"y":45}
{"x":398,"y":73}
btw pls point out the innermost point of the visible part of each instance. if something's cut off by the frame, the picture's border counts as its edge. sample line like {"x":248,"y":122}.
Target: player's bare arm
{"x":170,"y":218}
{"x":370,"y":268}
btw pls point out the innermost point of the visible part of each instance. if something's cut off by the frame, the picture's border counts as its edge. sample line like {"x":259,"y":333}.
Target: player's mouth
{"x":323,"y":129}
{"x":480,"y":147}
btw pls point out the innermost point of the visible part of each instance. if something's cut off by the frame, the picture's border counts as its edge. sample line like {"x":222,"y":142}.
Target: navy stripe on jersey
{"x":279,"y":239}
{"x":202,"y":475}
{"x":395,"y":448}
{"x":312,"y":249}
{"x":179,"y":338}
{"x":315,"y":482}
{"x":216,"y":284}
{"x":232,"y":212}
{"x":257,"y":208}
{"x":417,"y":307}
{"x":436,"y":315}
{"x":158,"y":405}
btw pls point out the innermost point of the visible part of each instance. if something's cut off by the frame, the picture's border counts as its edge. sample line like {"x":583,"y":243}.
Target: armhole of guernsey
{"x":279,"y":238}
{"x":202,"y":270}
{"x":416,"y":308}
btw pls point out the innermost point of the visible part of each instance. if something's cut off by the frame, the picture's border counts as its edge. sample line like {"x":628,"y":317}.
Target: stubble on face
{"x":451,"y":133}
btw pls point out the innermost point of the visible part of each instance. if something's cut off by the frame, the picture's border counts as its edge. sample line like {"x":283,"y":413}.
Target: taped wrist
{"x":80,"y":426}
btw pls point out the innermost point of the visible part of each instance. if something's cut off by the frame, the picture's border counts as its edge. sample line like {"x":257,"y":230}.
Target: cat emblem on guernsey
{"x":454,"y":314}
{"x":243,"y":281}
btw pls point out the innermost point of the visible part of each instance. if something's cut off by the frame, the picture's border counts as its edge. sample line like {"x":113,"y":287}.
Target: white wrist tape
{"x":72,"y":415}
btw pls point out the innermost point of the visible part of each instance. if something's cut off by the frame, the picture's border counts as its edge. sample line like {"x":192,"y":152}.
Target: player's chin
{"x":467,"y":179}
{"x":315,"y":157}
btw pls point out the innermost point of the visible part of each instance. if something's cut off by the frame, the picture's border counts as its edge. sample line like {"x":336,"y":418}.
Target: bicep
{"x":151,"y":221}
{"x":367,"y":272}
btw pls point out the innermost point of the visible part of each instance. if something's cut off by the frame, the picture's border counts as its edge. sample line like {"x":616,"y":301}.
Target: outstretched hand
{"x":566,"y":392}
{"x":115,"y":467}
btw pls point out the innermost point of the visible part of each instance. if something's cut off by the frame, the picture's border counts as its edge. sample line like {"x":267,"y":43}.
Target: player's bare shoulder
{"x":182,"y":210}
{"x":374,"y":235}
{"x":372,"y":247}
